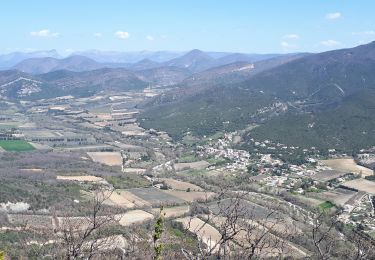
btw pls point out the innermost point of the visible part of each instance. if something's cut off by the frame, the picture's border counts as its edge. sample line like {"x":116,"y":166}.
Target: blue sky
{"x":262,"y":26}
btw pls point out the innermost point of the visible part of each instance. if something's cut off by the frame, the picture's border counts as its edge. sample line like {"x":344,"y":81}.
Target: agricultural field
{"x":180,"y":185}
{"x":32,"y":170}
{"x":361,"y":185}
{"x":7,"y":126}
{"x":338,"y":196}
{"x":137,"y":201}
{"x":134,"y":217}
{"x":207,"y":233}
{"x":253,"y":211}
{"x":134,"y":170}
{"x":327,"y":175}
{"x":192,"y":165}
{"x":189,"y":196}
{"x":347,"y":165}
{"x":127,"y":181}
{"x":259,"y":231}
{"x":107,"y":158}
{"x":155,"y":196}
{"x":81,"y":178}
{"x":16,"y":145}
{"x":173,"y":212}
{"x":116,"y":199}
{"x":326,"y":205}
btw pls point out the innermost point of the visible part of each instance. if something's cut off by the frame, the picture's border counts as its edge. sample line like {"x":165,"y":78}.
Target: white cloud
{"x":287,"y":46}
{"x":333,"y":16}
{"x":330,"y":43}
{"x":68,"y":50}
{"x":149,"y":37}
{"x":122,"y":34}
{"x":98,"y":34}
{"x":44,"y":33}
{"x":364,"y":33}
{"x":291,"y":36}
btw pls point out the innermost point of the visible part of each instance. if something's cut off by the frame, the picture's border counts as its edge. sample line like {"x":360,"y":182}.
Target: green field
{"x":16,"y":145}
{"x":326,"y":205}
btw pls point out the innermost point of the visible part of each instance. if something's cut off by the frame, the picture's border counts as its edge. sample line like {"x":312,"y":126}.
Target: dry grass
{"x":347,"y":165}
{"x":83,"y":178}
{"x":190,"y":196}
{"x":207,"y":233}
{"x":361,"y":185}
{"x":338,"y":196}
{"x":134,"y":170}
{"x":107,"y":158}
{"x":116,"y":199}
{"x":193,"y":165}
{"x":173,"y":212}
{"x":137,"y":201}
{"x":134,"y":217}
{"x":180,"y":185}
{"x":32,"y":170}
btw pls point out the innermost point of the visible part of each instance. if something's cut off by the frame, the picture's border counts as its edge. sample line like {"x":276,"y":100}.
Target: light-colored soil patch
{"x":190,"y":196}
{"x":173,"y":212}
{"x":193,"y":165}
{"x":180,"y":185}
{"x":137,"y":201}
{"x":207,"y":233}
{"x":257,"y":231}
{"x":133,"y":133}
{"x":107,"y":158}
{"x":32,"y":170}
{"x":361,"y":185}
{"x":327,"y":175}
{"x":134,"y":217}
{"x":116,"y":199}
{"x":83,"y":178}
{"x":156,"y":197}
{"x":347,"y":165}
{"x":134,"y":170}
{"x":104,"y":116}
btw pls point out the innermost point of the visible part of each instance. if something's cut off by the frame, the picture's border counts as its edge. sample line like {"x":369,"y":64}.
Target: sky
{"x":249,"y":26}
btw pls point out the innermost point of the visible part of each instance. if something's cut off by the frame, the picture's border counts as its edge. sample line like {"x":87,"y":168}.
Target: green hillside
{"x":333,"y":92}
{"x":349,"y":127}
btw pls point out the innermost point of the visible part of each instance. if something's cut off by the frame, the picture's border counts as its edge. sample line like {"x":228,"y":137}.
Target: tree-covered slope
{"x":348,"y":127}
{"x":330,"y":91}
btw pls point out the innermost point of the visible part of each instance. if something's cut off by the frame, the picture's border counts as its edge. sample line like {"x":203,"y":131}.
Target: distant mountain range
{"x":17,"y":85}
{"x":48,"y":64}
{"x":195,"y":60}
{"x":42,"y":77}
{"x":324,"y":100}
{"x":7,"y":61}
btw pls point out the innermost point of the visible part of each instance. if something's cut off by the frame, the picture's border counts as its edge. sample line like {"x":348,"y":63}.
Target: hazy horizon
{"x":243,"y":27}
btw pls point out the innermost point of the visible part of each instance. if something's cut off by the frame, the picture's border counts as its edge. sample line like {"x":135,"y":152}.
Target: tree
{"x":78,"y":235}
{"x":242,"y":235}
{"x":158,"y":231}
